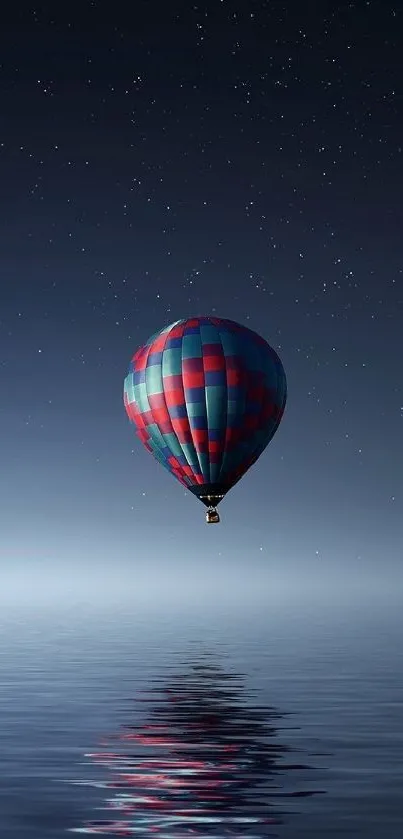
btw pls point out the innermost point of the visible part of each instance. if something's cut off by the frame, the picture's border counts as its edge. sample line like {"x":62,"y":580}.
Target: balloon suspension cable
{"x":212,"y":516}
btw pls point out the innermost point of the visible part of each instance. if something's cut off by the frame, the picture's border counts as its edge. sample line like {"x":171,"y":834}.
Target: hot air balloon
{"x":206,"y":396}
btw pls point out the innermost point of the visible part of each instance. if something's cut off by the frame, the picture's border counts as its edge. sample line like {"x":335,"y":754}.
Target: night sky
{"x":163,"y":160}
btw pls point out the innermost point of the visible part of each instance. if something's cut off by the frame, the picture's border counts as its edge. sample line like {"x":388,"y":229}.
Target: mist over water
{"x":320,"y":662}
{"x":171,"y":579}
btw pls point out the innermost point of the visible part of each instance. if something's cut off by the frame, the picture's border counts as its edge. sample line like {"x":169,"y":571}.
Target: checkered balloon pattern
{"x":206,"y":396}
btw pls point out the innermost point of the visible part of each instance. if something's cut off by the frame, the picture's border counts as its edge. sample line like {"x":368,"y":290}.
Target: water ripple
{"x":205,"y":762}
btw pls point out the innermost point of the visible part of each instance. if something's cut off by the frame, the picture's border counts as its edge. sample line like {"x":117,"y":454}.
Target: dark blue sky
{"x":161,"y":160}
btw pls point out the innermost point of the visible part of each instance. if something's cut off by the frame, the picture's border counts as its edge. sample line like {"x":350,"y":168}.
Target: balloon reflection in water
{"x":212,"y":769}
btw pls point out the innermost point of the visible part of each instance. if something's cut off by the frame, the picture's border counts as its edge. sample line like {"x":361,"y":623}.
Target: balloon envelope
{"x":206,"y":396}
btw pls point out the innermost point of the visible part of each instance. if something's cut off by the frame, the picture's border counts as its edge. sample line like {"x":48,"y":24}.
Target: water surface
{"x":220,"y":722}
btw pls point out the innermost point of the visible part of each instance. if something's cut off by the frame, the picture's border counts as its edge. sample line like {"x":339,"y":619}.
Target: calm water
{"x":202,"y":722}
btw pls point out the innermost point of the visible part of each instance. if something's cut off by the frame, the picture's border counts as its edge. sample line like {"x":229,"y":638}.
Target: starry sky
{"x":163,"y":160}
